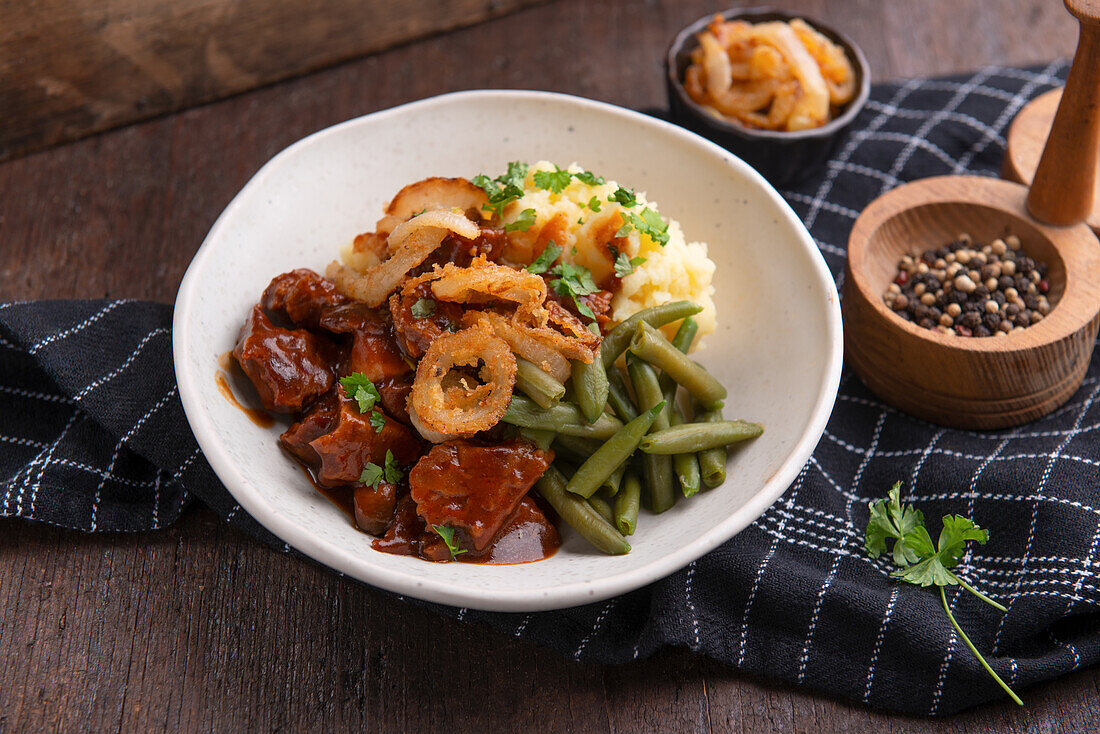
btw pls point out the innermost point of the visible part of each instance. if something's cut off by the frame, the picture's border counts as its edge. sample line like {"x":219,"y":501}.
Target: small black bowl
{"x":783,"y":158}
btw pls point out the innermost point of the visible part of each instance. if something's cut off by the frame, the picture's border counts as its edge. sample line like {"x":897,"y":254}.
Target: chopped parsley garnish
{"x":361,"y":390}
{"x":373,"y":475}
{"x":391,"y":471}
{"x":554,"y":181}
{"x":505,"y":189}
{"x":594,"y":204}
{"x":377,"y":420}
{"x":648,"y":223}
{"x":546,"y":259}
{"x":448,"y":536}
{"x":523,"y":222}
{"x":423,"y":308}
{"x":624,"y":265}
{"x":589,"y":178}
{"x":626,"y":197}
{"x":580,"y":221}
{"x":923,"y":564}
{"x":574,"y":281}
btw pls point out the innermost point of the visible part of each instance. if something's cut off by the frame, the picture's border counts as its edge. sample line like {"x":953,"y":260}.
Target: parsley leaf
{"x":543,"y":262}
{"x":891,"y":519}
{"x":423,"y":308}
{"x":391,"y":471}
{"x":626,"y":197}
{"x":936,"y":560}
{"x":516,"y":174}
{"x":554,"y":181}
{"x":523,"y":222}
{"x":361,"y":390}
{"x":624,"y":265}
{"x":574,"y":281}
{"x":589,"y":178}
{"x":372,"y":475}
{"x":377,"y":420}
{"x":448,"y":535}
{"x":925,"y":564}
{"x":502,"y":190}
{"x":594,"y":204}
{"x":648,"y":223}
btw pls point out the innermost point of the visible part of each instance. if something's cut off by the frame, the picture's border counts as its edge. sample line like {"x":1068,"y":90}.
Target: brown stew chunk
{"x":474,"y":488}
{"x":374,"y":506}
{"x":347,"y":449}
{"x":318,"y":420}
{"x":528,"y":535}
{"x":300,"y":296}
{"x":374,"y":352}
{"x":417,"y":334}
{"x":405,"y":533}
{"x":395,"y":396}
{"x":287,"y":367}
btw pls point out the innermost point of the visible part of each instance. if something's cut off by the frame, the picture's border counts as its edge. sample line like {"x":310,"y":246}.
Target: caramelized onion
{"x":433,"y":193}
{"x":414,"y":241}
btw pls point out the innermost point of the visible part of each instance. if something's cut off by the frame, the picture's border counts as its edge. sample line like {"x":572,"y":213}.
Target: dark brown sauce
{"x":339,"y":496}
{"x":258,"y":416}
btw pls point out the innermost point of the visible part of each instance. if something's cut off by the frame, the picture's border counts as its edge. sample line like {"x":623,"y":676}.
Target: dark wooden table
{"x":202,"y":628}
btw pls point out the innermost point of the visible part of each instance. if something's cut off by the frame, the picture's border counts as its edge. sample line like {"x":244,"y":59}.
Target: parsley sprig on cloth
{"x":923,"y":564}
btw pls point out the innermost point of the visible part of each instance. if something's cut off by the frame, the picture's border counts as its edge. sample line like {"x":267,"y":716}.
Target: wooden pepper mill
{"x":1063,"y":190}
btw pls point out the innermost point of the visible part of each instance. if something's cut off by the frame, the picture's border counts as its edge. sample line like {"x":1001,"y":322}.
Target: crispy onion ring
{"x":448,"y":405}
{"x":523,"y":343}
{"x":417,"y":238}
{"x":484,"y":282}
{"x":573,"y":328}
{"x":432,"y":193}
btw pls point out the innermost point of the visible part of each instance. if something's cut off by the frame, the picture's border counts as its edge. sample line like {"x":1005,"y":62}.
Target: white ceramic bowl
{"x":778,"y":346}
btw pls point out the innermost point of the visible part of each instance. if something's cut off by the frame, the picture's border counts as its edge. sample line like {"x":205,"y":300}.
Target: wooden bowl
{"x":968,"y":382}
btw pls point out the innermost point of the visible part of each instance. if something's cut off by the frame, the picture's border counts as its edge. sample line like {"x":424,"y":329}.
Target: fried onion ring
{"x":523,"y":343}
{"x":417,"y":238}
{"x":449,"y":405}
{"x":484,"y":282}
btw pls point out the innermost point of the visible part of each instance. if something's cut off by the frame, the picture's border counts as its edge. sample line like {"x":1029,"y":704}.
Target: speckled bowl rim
{"x":582,"y":590}
{"x":832,"y":127}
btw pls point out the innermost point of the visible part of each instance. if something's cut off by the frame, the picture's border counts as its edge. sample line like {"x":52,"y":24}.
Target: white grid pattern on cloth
{"x":801,"y":519}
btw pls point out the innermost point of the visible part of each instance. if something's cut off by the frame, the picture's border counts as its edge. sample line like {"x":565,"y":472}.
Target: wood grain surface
{"x":69,"y":68}
{"x":200,"y":628}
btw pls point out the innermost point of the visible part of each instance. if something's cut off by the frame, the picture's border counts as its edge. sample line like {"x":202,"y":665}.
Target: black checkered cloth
{"x":94,"y":438}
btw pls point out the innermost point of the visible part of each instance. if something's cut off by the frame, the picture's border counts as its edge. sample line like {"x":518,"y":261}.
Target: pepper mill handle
{"x":1062,"y":191}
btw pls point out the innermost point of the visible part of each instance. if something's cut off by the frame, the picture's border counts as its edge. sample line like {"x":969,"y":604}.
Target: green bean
{"x":685,"y":335}
{"x":538,"y":437}
{"x":660,"y":495}
{"x":537,"y":385}
{"x":685,"y":465}
{"x":575,"y":448}
{"x":626,"y":504}
{"x":614,"y":452}
{"x":650,"y":345}
{"x":562,"y":418}
{"x":610,"y":486}
{"x":618,"y":396}
{"x":712,"y":462}
{"x":616,"y":342}
{"x":590,"y":384}
{"x":602,"y":508}
{"x":699,"y":437}
{"x":579,"y":515}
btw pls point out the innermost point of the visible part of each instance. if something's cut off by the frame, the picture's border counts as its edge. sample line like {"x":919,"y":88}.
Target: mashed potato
{"x":677,"y":270}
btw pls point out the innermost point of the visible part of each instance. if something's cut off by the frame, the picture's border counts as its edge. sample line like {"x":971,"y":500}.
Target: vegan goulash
{"x":493,"y":337}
